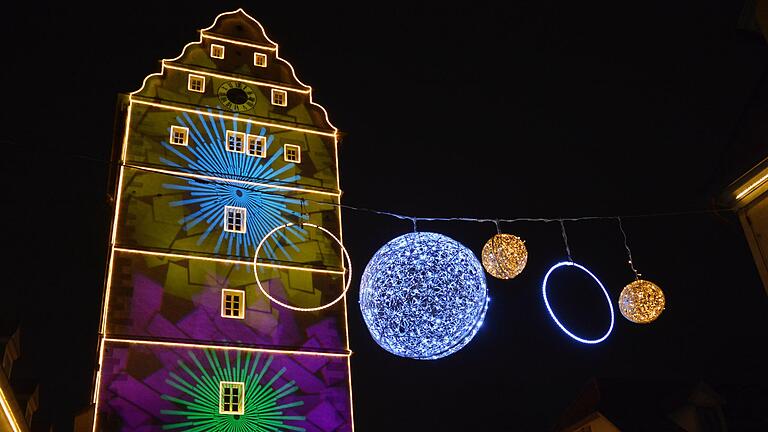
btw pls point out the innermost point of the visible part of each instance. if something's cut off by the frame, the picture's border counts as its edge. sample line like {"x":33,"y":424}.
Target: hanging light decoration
{"x":504,"y":256}
{"x":423,"y":296}
{"x":564,"y":265}
{"x":641,"y":301}
{"x":544,"y":287}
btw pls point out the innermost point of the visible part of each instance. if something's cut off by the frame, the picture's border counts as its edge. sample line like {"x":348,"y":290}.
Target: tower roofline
{"x":207,"y":33}
{"x":239,"y":11}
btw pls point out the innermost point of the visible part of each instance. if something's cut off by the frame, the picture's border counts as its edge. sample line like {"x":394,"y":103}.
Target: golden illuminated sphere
{"x":641,"y":301}
{"x":504,"y":256}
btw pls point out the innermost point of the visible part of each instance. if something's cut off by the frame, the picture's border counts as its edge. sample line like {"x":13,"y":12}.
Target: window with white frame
{"x":234,"y":219}
{"x":217,"y":51}
{"x":232,"y":303}
{"x":256,"y":146}
{"x":179,"y":135}
{"x":279,"y":97}
{"x":196,"y":83}
{"x":292,"y":153}
{"x":259,"y":59}
{"x":231,"y":397}
{"x":235,"y":141}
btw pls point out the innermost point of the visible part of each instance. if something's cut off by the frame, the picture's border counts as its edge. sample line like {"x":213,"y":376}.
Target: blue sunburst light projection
{"x":265,"y":207}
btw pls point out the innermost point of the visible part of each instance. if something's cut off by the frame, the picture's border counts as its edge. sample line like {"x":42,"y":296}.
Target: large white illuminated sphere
{"x":641,"y":301}
{"x":423,"y":295}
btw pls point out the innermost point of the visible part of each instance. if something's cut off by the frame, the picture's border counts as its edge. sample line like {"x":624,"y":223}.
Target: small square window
{"x":196,"y":83}
{"x":260,"y":59}
{"x":179,"y":135}
{"x":232,"y":303}
{"x":279,"y":97}
{"x":217,"y":51}
{"x":257,"y":146}
{"x":234,"y":219}
{"x":292,"y":153}
{"x":231,"y":397}
{"x":235,"y":141}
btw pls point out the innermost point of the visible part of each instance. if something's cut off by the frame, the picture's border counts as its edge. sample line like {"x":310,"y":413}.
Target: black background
{"x":536,"y":109}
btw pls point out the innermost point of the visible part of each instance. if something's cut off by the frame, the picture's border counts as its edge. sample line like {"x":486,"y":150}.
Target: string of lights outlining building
{"x":219,"y":161}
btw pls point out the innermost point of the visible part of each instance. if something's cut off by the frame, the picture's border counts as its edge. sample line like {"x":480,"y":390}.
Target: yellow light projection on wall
{"x":185,"y":207}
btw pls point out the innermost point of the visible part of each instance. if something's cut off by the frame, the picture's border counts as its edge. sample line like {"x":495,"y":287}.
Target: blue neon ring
{"x":552,"y":313}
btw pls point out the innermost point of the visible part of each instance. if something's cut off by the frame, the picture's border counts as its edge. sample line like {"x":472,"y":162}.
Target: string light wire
{"x":629,"y":252}
{"x":565,"y":240}
{"x":415,"y":219}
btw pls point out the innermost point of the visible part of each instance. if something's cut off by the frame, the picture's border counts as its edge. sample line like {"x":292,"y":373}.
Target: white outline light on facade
{"x":751,"y":187}
{"x":9,"y":412}
{"x":264,"y":291}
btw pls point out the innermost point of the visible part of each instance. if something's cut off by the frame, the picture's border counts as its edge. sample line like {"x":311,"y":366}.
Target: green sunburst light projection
{"x":200,"y":399}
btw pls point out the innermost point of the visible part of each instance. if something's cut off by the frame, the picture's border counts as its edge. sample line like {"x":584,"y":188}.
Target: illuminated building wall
{"x":749,"y":196}
{"x":213,"y":153}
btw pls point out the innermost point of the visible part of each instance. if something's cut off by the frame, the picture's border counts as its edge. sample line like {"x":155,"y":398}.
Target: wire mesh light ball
{"x":641,"y":301}
{"x":423,"y":296}
{"x":504,"y":256}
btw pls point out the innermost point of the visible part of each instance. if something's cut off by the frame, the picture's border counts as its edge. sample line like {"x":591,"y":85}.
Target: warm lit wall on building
{"x":749,"y":195}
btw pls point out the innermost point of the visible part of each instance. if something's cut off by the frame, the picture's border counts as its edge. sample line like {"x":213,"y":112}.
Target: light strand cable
{"x":629,"y":252}
{"x":462,"y":219}
{"x":496,"y":221}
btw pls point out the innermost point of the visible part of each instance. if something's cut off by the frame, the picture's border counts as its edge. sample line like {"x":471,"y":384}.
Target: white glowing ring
{"x":551,"y":313}
{"x":348,"y":270}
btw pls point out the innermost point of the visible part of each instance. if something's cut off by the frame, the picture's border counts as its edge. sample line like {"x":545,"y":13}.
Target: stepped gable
{"x":241,"y":36}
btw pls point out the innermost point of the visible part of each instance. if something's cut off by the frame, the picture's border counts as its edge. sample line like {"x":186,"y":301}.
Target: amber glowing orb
{"x":504,"y":256}
{"x":641,"y":301}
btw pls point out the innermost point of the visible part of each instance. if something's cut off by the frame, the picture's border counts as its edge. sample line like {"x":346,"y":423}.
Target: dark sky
{"x":536,"y":109}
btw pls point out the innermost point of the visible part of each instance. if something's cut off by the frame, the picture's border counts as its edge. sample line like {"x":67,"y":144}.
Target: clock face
{"x":236,"y":96}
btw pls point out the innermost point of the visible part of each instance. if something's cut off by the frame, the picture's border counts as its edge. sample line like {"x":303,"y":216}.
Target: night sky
{"x":540,"y":109}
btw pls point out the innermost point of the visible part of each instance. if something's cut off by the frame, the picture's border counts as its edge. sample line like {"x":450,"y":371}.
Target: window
{"x":232,"y":303}
{"x":279,"y":97}
{"x":235,"y":141}
{"x":292,"y":153}
{"x":234,"y":219}
{"x":231,"y":395}
{"x":179,"y":135}
{"x":196,"y":83}
{"x":260,"y":59}
{"x":257,"y":146}
{"x":217,"y":51}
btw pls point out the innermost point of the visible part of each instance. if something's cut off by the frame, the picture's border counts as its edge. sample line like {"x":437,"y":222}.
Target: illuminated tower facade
{"x":224,"y":305}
